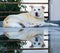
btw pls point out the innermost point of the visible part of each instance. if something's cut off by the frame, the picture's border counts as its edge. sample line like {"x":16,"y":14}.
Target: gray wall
{"x":54,"y":9}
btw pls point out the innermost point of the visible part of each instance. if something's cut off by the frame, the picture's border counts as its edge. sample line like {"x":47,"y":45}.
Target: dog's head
{"x":37,"y":11}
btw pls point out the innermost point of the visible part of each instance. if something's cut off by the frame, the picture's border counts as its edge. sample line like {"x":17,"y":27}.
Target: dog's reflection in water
{"x":33,"y":37}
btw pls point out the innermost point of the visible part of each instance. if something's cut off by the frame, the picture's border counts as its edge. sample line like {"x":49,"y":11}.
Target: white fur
{"x":27,"y":19}
{"x":40,"y":12}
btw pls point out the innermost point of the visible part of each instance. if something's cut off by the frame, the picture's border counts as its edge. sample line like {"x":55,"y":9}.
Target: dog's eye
{"x":34,"y":9}
{"x":38,"y":43}
{"x":38,"y":9}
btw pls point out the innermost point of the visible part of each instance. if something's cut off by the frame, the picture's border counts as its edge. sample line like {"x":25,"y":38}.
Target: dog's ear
{"x":43,"y":7}
{"x":31,"y":6}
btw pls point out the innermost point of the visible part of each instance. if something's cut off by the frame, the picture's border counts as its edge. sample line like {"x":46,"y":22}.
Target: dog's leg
{"x":52,"y":24}
{"x":29,"y":25}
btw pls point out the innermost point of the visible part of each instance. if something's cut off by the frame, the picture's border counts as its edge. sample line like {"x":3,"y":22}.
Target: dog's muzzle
{"x":36,"y":13}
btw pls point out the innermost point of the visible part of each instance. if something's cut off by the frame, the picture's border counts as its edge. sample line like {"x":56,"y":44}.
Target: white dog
{"x":31,"y":19}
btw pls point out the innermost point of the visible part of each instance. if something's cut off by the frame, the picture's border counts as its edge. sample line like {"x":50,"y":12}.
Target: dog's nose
{"x":36,"y":13}
{"x":36,"y":39}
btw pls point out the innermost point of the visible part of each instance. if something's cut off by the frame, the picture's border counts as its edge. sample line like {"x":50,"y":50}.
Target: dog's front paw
{"x":55,"y":24}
